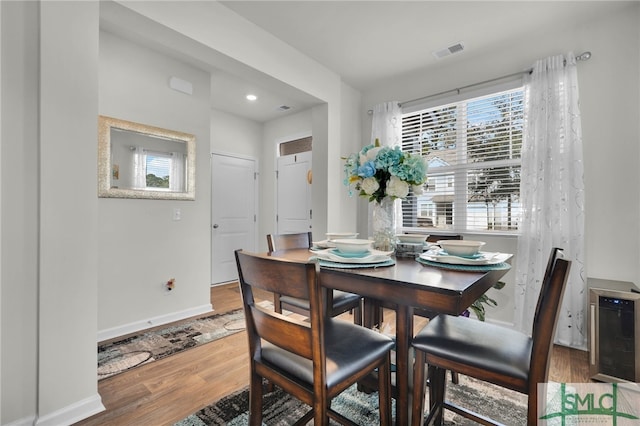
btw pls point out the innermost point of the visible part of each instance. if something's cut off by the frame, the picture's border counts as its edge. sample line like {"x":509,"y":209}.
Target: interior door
{"x":294,"y":193}
{"x":233,"y":213}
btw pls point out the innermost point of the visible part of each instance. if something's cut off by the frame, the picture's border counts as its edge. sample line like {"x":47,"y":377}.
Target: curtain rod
{"x":581,"y":57}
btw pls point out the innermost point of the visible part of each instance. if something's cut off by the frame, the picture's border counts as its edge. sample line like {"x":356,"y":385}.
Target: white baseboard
{"x":133,"y":327}
{"x":73,"y":413}
{"x":25,"y":421}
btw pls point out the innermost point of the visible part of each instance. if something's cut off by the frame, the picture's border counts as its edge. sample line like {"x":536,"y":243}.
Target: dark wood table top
{"x":408,"y":282}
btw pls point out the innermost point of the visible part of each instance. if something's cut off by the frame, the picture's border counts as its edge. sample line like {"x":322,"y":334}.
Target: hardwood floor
{"x":168,"y":390}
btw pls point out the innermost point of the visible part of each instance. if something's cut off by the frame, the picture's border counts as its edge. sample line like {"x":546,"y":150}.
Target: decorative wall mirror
{"x":140,"y":161}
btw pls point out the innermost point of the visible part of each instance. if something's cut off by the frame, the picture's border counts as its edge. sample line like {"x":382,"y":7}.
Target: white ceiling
{"x":366,"y":41}
{"x":363,"y":41}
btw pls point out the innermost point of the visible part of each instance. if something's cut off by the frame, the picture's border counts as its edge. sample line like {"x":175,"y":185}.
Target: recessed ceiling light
{"x":252,"y":97}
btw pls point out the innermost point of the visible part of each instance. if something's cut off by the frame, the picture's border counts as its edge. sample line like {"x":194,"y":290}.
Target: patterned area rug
{"x":122,"y":355}
{"x":280,"y":409}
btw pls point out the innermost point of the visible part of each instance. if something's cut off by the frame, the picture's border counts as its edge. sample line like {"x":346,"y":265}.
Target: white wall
{"x":68,"y":208}
{"x":49,"y":251}
{"x":141,"y":246}
{"x":19,"y":211}
{"x":235,"y":135}
{"x":610,"y":109}
{"x":352,"y":141}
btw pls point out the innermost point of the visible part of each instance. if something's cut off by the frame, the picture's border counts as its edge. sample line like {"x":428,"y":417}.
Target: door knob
{"x":215,"y":226}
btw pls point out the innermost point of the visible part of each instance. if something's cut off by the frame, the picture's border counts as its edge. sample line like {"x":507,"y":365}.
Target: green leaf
{"x":478,"y":306}
{"x":499,"y":285}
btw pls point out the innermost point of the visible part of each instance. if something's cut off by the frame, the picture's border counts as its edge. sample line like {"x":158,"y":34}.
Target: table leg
{"x":371,"y":313}
{"x":371,"y":319}
{"x":404,"y":363}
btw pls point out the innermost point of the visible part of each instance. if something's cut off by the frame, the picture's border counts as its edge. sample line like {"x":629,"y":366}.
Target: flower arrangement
{"x":380,"y":172}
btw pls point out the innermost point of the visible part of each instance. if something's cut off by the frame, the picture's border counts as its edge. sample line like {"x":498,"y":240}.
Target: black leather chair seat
{"x":341,"y":300}
{"x":344,"y":357}
{"x":477,"y":344}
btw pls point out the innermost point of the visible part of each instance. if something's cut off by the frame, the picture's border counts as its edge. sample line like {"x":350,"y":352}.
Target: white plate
{"x":340,"y":235}
{"x":486,"y":258}
{"x":324,"y":244}
{"x":375,"y":256}
{"x":412,"y":238}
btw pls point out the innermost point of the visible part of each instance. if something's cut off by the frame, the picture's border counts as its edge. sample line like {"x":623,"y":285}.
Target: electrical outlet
{"x":177,"y":214}
{"x":169,"y":286}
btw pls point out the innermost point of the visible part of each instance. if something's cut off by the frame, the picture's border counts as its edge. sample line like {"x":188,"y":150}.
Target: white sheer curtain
{"x":386,"y":124}
{"x":552,"y":192}
{"x":139,"y":168}
{"x":176,"y":173}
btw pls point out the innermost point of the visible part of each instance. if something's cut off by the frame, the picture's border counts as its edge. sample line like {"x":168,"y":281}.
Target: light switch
{"x":177,"y":214}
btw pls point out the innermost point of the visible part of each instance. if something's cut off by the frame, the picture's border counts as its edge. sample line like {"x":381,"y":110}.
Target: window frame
{"x":460,"y":171}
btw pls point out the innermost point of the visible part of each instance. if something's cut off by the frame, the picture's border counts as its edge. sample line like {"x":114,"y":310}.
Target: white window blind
{"x":473,"y":149}
{"x":158,"y":170}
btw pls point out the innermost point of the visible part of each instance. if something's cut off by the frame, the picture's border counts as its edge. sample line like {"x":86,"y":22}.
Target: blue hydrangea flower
{"x":413,"y":169}
{"x":388,"y":157}
{"x":366,"y":170}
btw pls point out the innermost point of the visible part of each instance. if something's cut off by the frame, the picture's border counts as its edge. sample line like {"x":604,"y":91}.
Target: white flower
{"x":369,"y":155}
{"x":397,"y":187}
{"x":417,"y":189}
{"x":369,"y":185}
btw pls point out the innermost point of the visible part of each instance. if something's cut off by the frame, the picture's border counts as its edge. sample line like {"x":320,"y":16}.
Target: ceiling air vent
{"x":284,"y":107}
{"x":458,"y":47}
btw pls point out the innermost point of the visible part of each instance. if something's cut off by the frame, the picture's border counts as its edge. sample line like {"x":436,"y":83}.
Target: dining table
{"x":405,"y":283}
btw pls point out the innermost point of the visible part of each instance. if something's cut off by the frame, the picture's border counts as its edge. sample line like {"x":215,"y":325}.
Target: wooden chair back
{"x":555,"y":254}
{"x":288,"y":278}
{"x":546,"y":316}
{"x":434,"y":238}
{"x":272,"y":331}
{"x":289,"y":241}
{"x":338,"y":302}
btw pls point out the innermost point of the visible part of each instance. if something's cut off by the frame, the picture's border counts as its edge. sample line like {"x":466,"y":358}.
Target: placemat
{"x":470,"y":268}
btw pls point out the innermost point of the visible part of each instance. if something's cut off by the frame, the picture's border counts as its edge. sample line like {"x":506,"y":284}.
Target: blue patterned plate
{"x":337,"y":252}
{"x":473,"y":256}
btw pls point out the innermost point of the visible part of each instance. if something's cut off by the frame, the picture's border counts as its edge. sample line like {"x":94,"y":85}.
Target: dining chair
{"x":489,"y":352}
{"x":312,"y":360}
{"x":340,"y":301}
{"x":434,"y":238}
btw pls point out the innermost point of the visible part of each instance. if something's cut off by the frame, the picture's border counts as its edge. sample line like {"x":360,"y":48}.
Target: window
{"x":473,"y":149}
{"x":158,"y":167}
{"x":295,"y":146}
{"x":158,"y":171}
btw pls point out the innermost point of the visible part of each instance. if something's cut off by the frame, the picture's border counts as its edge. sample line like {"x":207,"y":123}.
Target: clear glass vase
{"x":384,"y":224}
